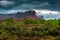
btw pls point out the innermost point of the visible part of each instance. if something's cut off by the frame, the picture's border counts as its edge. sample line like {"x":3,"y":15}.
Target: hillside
{"x":21,"y":15}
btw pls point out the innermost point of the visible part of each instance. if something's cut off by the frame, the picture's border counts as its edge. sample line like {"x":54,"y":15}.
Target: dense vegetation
{"x":11,"y":29}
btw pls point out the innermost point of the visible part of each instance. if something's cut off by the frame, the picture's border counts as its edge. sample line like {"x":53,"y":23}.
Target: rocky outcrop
{"x":21,"y":15}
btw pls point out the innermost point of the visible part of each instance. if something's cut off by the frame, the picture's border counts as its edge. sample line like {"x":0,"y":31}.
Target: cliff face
{"x":21,"y":15}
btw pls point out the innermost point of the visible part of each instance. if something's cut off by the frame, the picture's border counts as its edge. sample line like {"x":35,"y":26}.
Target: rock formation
{"x":21,"y":15}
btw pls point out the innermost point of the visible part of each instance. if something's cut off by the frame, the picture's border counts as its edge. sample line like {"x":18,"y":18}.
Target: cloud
{"x":6,"y":3}
{"x":24,"y":7}
{"x":45,"y":4}
{"x":15,"y":11}
{"x":47,"y":12}
{"x":30,"y":6}
{"x":23,"y":0}
{"x":11,"y":11}
{"x":51,"y":16}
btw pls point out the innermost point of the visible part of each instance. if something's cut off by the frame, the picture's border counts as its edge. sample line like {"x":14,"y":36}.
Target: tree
{"x":20,"y":24}
{"x":9,"y":20}
{"x":28,"y":21}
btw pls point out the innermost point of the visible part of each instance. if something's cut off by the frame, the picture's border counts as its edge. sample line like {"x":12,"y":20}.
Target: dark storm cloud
{"x":29,"y":1}
{"x":30,"y":4}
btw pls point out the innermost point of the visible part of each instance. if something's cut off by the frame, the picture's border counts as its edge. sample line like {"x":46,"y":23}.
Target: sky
{"x":46,"y":7}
